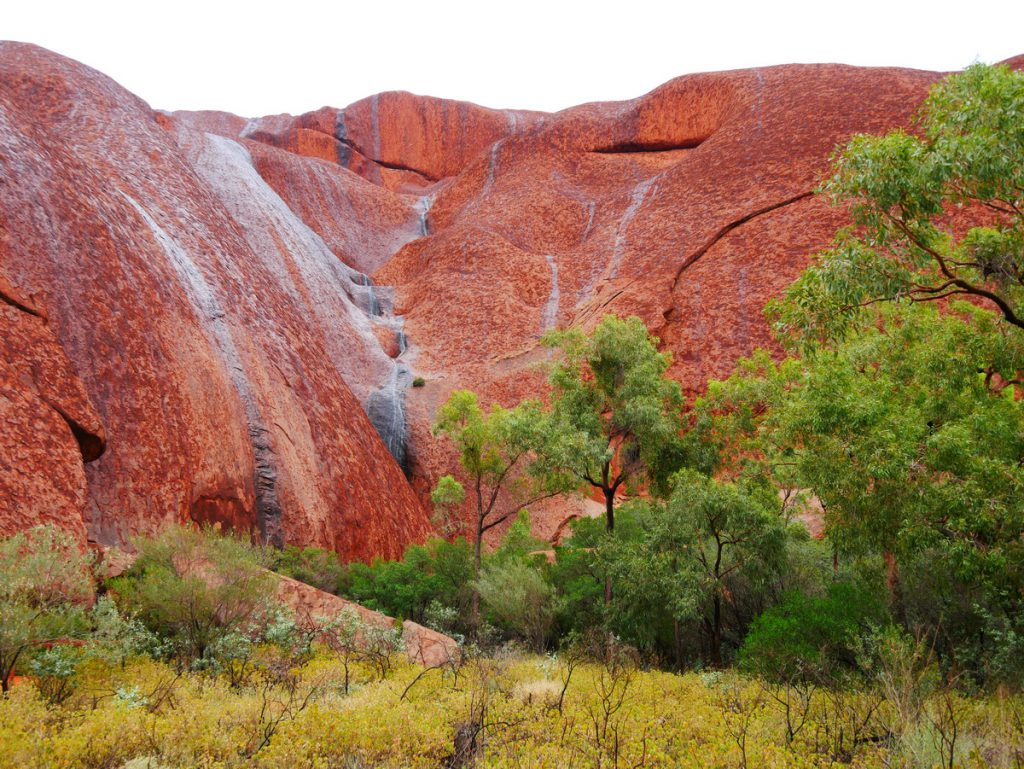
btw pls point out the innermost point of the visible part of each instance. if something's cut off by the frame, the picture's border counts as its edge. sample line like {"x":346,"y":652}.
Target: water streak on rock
{"x":209,"y":312}
{"x":637,"y":198}
{"x":551,"y":308}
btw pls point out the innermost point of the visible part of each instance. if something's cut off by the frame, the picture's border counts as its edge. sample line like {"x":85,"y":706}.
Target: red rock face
{"x":209,"y":314}
{"x":191,"y":318}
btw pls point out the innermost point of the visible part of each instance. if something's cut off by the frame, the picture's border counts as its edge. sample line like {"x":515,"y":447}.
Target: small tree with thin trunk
{"x":496,"y":452}
{"x":615,"y":416}
{"x":731,"y":531}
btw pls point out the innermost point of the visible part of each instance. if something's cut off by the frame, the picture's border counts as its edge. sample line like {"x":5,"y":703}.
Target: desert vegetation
{"x":819,"y":561}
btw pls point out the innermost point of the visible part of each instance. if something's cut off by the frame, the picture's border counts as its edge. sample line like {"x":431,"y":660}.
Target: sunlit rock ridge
{"x":218,"y":319}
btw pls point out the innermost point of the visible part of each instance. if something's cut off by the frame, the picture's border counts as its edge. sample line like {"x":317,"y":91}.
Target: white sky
{"x":258,"y":58}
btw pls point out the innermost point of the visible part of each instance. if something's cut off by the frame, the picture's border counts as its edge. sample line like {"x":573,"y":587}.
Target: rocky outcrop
{"x":228,"y":298}
{"x":221,"y":342}
{"x":311,"y":606}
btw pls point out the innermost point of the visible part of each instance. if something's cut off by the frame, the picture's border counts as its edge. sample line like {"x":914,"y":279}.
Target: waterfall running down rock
{"x":372,"y":303}
{"x":591,"y":210}
{"x":551,"y":309}
{"x":386,"y":409}
{"x":366,"y":306}
{"x":424,"y":204}
{"x":492,"y":168}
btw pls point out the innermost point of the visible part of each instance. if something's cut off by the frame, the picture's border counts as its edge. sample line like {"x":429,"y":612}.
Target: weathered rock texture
{"x":199,"y":310}
{"x":311,"y":606}
{"x":161,"y":298}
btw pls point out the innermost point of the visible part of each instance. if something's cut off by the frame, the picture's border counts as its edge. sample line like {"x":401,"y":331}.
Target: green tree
{"x":967,"y":156}
{"x":813,"y":638}
{"x":615,"y":416}
{"x":721,"y":531}
{"x":496,"y":453}
{"x":910,"y":435}
{"x":203,"y":591}
{"x":45,"y":586}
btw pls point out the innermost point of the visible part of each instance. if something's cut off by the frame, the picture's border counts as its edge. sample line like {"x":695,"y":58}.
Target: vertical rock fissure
{"x":211,"y":316}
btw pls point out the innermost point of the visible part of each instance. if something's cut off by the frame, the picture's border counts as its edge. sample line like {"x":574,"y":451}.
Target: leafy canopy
{"x":200,"y":590}
{"x":496,"y":454}
{"x":968,"y":153}
{"x":615,"y":416}
{"x":45,"y":586}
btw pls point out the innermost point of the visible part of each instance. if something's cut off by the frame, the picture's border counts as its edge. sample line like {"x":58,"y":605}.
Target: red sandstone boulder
{"x":422,"y":645}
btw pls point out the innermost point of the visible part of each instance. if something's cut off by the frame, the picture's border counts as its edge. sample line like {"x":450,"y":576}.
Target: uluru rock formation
{"x":217,"y":319}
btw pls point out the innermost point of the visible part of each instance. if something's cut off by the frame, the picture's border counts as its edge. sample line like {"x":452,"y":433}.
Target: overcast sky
{"x":259,"y":58}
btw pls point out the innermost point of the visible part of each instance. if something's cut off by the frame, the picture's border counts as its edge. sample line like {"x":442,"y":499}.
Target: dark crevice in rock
{"x":6,"y":299}
{"x":90,"y":444}
{"x":729,"y":228}
{"x":353,"y":147}
{"x":631,"y":147}
{"x":400,"y":167}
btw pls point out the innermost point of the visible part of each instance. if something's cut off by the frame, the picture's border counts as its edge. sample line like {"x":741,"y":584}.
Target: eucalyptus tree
{"x":497,"y":456}
{"x":966,"y":156}
{"x":615,"y":416}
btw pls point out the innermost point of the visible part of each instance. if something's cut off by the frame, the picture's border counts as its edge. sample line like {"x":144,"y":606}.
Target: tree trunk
{"x":716,"y":632}
{"x":609,"y":509}
{"x":609,"y":523}
{"x":474,"y":609}
{"x":677,"y":637}
{"x":895,"y":586}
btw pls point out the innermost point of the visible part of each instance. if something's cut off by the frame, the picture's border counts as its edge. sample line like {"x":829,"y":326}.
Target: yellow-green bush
{"x":146,"y":713}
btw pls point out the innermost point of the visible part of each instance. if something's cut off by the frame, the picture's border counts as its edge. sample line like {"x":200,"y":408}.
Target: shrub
{"x":45,"y":586}
{"x":317,"y":567}
{"x":437,"y":571}
{"x":419,"y":382}
{"x":205,"y":593}
{"x":518,"y":599}
{"x":811,"y":637}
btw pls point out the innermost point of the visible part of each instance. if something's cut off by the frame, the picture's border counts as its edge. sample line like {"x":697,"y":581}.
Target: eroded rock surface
{"x":226,"y":298}
{"x":220,"y":341}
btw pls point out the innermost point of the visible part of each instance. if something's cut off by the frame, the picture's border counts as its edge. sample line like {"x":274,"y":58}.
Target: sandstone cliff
{"x":213,"y":318}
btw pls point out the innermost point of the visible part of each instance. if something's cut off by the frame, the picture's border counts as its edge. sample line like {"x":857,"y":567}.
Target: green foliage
{"x":615,"y":416}
{"x":317,"y":567}
{"x":812,"y":637}
{"x":722,"y":532}
{"x":419,"y":382}
{"x":496,"y":454}
{"x":711,"y":544}
{"x":517,"y":599}
{"x":46,"y":583}
{"x":969,"y":152}
{"x":911,"y":438}
{"x":437,"y":572}
{"x":207,"y":594}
